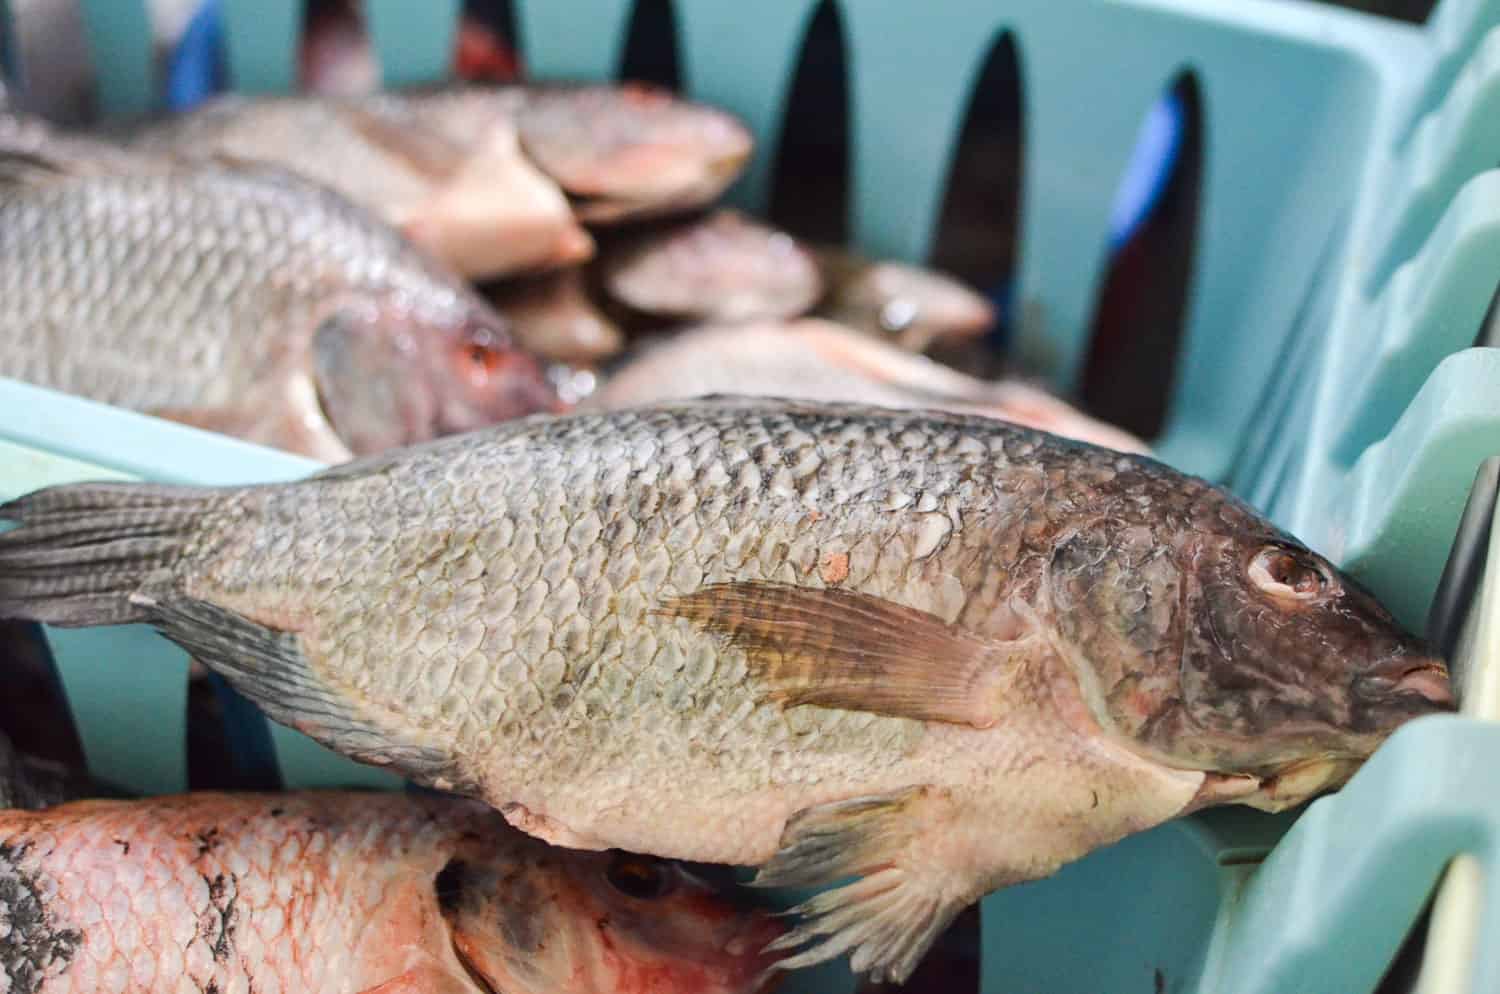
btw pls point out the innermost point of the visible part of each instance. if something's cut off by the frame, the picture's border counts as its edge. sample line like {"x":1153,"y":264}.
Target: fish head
{"x":1213,"y":641}
{"x":612,"y":922}
{"x":633,"y":148}
{"x":919,"y":306}
{"x":389,"y":374}
{"x":723,"y":267}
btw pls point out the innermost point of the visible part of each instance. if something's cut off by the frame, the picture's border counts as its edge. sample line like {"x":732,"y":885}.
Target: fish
{"x":721,"y":267}
{"x":814,"y":359}
{"x":245,"y":300}
{"x":936,"y":653}
{"x":494,"y":180}
{"x":350,"y":893}
{"x":724,"y":266}
{"x":915,"y":307}
{"x":554,"y":316}
{"x":473,"y":200}
{"x":632,"y":150}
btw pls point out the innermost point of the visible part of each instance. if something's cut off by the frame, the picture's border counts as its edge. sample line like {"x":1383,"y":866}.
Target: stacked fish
{"x":855,"y":620}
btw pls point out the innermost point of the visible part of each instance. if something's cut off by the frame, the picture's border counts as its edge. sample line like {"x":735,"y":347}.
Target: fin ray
{"x":836,"y":648}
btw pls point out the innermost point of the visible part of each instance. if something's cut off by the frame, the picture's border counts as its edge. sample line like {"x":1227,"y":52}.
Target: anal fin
{"x":269,"y":667}
{"x":905,"y":897}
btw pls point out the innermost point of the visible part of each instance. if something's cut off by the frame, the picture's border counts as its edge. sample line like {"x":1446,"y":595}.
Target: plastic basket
{"x":1348,"y":246}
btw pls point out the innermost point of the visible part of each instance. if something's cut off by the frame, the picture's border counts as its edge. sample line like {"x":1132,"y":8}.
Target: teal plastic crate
{"x":1348,"y":247}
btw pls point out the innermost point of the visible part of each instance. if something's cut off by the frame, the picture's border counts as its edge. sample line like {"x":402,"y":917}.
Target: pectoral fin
{"x":841,"y":649}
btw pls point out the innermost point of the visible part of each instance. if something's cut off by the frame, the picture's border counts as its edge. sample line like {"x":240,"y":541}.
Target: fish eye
{"x":898,"y":314}
{"x":1282,"y":573}
{"x":638,"y":876}
{"x":481,"y":355}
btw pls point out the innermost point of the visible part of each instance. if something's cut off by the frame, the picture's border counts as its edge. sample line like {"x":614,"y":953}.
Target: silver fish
{"x":943,"y":654}
{"x":813,"y":359}
{"x":244,"y":300}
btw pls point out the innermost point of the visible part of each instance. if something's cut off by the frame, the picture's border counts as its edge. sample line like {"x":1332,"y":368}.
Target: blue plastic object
{"x":197,"y":68}
{"x":1347,"y":253}
{"x":1156,"y":153}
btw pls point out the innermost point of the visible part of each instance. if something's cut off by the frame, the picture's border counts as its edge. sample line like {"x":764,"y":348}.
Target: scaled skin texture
{"x":325,"y":893}
{"x":941,"y":653}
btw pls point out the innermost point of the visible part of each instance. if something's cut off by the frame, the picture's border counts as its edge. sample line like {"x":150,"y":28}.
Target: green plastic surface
{"x":1348,"y":246}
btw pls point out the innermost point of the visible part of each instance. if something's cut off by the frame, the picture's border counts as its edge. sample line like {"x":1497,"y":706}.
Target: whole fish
{"x":915,"y":308}
{"x":474,"y":201}
{"x":813,"y":359}
{"x":244,"y":300}
{"x":329,"y":893}
{"x":723,"y":267}
{"x":941,"y":653}
{"x":554,"y":316}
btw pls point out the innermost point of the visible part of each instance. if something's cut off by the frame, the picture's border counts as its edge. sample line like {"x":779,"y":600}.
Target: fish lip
{"x":1399,"y":676}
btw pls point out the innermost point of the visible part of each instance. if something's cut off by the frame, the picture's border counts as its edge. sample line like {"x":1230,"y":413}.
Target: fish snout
{"x":1405,"y":675}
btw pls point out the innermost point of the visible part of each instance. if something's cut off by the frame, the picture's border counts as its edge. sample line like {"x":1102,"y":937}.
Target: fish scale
{"x":938,"y":652}
{"x":131,"y":246}
{"x":343,"y":893}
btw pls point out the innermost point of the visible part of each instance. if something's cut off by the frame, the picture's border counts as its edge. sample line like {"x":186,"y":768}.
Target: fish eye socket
{"x":482,"y":359}
{"x":897,"y":315}
{"x":638,"y":877}
{"x":1285,"y":574}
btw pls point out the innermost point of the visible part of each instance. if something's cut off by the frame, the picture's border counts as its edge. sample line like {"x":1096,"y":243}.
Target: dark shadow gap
{"x":651,"y":45}
{"x":1489,"y":328}
{"x":229,"y":744}
{"x":34,"y":711}
{"x":489,"y":45}
{"x":1141,"y":309}
{"x":980,"y":222}
{"x":810,"y":181}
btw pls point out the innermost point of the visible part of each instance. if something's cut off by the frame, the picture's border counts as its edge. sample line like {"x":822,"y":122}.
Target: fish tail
{"x":83,"y":549}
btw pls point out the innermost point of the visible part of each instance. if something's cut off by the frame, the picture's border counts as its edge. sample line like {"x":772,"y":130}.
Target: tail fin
{"x":83,"y":549}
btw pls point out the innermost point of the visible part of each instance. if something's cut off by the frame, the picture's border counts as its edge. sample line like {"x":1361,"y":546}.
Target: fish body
{"x":813,"y":359}
{"x":940,"y":653}
{"x":327,"y":893}
{"x":243,"y":299}
{"x":473,"y":200}
{"x":723,"y":267}
{"x":910,"y":306}
{"x":478,"y":174}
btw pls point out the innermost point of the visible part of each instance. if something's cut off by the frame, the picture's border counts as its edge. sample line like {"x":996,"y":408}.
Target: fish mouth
{"x":477,"y":978}
{"x":1403,"y":676}
{"x":1300,"y":781}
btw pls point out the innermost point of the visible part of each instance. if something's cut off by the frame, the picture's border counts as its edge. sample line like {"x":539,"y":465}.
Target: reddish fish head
{"x":389,"y":375}
{"x":724,"y":267}
{"x":916,"y":307}
{"x":601,"y":923}
{"x":632,"y":149}
{"x":1213,"y":641}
